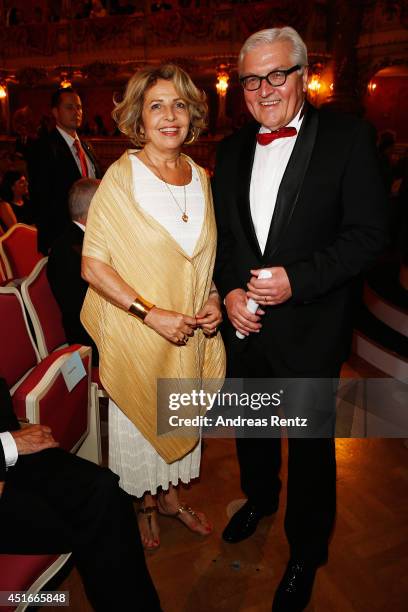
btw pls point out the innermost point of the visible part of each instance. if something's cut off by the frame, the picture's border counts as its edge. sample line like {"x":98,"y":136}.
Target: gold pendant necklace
{"x":184,"y":215}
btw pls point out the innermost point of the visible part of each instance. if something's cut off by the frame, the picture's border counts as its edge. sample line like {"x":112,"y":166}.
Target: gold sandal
{"x":148,"y":512}
{"x":203,"y":526}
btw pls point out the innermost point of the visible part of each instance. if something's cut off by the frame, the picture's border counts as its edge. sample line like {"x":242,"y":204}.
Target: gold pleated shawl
{"x":133,"y":356}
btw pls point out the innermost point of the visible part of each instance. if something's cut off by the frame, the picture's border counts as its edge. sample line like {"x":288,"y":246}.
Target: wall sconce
{"x":222,"y":81}
{"x":314,"y":85}
{"x":3,"y":91}
{"x":372,"y":86}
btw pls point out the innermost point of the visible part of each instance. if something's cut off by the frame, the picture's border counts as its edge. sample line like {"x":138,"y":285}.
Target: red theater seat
{"x":43,"y":310}
{"x":18,"y":353}
{"x":43,"y":397}
{"x":46,"y":317}
{"x":37,"y":386}
{"x":40,"y":394}
{"x":18,"y":250}
{"x":28,"y":573}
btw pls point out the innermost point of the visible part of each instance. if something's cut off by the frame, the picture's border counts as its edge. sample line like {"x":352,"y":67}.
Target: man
{"x":64,"y":265}
{"x":305,"y":202}
{"x":53,"y":502}
{"x":55,"y":163}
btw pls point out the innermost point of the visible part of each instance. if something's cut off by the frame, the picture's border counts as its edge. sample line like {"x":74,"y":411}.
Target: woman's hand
{"x":210,"y":316}
{"x":173,"y":326}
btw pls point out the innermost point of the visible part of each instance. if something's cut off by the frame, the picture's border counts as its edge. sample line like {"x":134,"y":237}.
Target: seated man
{"x":54,"y":502}
{"x":64,"y":265}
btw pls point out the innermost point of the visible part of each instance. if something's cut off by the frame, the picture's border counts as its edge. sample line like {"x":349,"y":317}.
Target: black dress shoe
{"x":295,"y":588}
{"x":244,"y":523}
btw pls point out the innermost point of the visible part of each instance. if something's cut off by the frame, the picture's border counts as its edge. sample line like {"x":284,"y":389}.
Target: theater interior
{"x":358,"y":64}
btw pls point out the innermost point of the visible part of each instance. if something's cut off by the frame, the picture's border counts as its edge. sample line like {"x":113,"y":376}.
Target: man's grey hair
{"x":80,"y":196}
{"x":272,"y":35}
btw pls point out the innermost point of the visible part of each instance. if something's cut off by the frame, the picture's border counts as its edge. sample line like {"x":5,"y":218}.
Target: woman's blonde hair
{"x":128,"y":112}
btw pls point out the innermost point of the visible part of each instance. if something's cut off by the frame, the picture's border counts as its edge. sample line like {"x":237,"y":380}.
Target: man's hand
{"x":2,"y":483}
{"x":33,"y":439}
{"x":270,"y":291}
{"x":243,"y":320}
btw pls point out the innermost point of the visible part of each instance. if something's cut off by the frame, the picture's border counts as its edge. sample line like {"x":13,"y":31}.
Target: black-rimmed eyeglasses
{"x":276,"y":78}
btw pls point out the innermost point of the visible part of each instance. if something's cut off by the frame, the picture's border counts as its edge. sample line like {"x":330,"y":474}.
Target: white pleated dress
{"x":131,"y":456}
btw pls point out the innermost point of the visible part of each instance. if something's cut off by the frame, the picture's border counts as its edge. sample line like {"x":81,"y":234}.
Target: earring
{"x":191,"y":135}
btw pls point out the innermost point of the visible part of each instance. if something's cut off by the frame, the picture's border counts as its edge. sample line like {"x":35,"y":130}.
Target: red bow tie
{"x":267,"y":137}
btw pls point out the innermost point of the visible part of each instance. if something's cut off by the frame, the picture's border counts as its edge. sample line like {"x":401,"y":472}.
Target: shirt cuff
{"x":9,"y":447}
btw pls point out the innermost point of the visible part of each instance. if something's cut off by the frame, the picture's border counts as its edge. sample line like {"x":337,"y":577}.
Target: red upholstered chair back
{"x":43,"y":310}
{"x":18,"y":353}
{"x":18,"y":249}
{"x":28,"y":573}
{"x":66,"y":412}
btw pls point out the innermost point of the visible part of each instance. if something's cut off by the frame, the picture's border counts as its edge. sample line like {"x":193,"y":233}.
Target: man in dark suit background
{"x":64,"y":265}
{"x":54,"y":502}
{"x":55,"y":162}
{"x":297,"y":192}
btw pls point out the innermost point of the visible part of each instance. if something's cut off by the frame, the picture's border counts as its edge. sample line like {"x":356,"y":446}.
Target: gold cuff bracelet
{"x":140,"y":308}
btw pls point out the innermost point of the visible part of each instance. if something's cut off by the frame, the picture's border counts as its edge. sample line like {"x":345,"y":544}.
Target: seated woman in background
{"x":14,"y":203}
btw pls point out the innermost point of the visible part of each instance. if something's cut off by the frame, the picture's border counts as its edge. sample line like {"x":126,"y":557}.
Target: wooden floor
{"x":368,"y":565}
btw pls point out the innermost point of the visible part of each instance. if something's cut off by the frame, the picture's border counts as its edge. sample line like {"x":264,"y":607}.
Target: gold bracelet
{"x":140,"y":308}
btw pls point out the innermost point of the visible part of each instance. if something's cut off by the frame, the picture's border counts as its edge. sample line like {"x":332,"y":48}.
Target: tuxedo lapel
{"x":76,"y":233}
{"x":245,"y":164}
{"x":292,"y":181}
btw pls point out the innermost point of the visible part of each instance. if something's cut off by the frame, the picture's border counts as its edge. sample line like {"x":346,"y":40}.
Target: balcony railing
{"x":143,"y":36}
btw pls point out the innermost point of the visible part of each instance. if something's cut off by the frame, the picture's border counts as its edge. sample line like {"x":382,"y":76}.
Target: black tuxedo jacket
{"x":52,"y":170}
{"x":328,"y":225}
{"x":68,"y":287}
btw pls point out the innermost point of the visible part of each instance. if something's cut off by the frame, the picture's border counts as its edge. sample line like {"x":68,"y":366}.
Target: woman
{"x":14,"y":203}
{"x":149,"y":252}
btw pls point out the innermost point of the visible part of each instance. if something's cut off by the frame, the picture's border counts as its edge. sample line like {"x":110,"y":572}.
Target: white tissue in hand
{"x":252,"y":306}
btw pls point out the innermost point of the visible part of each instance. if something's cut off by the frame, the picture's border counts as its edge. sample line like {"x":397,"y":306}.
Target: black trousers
{"x":55,"y":502}
{"x":311,"y":494}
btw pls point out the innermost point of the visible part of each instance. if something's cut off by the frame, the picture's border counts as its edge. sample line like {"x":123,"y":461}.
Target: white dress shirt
{"x":269,"y":166}
{"x":70,"y":142}
{"x":80,"y":225}
{"x":9,"y":448}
